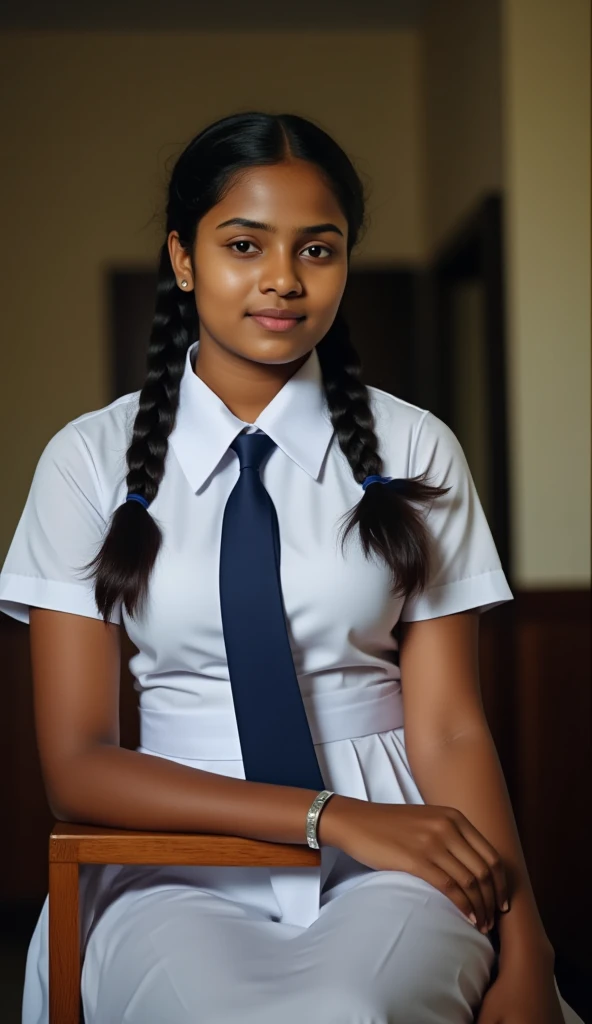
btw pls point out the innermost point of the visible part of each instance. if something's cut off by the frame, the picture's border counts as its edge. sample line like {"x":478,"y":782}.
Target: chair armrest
{"x":93,"y":844}
{"x":71,"y":845}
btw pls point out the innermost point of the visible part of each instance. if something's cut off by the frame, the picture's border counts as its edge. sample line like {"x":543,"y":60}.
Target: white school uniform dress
{"x":340,"y":943}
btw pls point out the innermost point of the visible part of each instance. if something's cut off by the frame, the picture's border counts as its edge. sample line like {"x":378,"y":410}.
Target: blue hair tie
{"x":376,"y":480}
{"x":139,"y":498}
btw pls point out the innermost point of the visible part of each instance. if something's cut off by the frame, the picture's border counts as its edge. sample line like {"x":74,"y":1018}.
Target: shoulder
{"x":91,"y":449}
{"x":112,"y":422}
{"x":423,"y":435}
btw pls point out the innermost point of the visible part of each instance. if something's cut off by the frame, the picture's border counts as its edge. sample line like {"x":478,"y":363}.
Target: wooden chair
{"x":72,"y":845}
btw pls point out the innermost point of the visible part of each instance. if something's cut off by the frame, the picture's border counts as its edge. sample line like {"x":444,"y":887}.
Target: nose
{"x":280,"y":275}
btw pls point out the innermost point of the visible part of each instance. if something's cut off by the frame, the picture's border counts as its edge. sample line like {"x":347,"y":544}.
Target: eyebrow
{"x":257,"y":225}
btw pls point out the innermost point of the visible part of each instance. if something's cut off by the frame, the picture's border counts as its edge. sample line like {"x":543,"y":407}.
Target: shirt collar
{"x":297,"y":419}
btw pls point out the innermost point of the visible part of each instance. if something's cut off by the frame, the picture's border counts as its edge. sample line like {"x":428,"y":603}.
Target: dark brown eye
{"x":241,"y":242}
{"x":318,"y":249}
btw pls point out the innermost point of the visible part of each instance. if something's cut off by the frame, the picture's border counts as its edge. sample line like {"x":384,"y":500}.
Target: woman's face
{"x":276,"y":242}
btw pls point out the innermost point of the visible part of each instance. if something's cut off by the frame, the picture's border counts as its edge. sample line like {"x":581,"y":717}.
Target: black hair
{"x":389,"y":517}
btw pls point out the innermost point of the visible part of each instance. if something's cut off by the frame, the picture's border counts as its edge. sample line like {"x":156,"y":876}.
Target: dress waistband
{"x":211,"y":734}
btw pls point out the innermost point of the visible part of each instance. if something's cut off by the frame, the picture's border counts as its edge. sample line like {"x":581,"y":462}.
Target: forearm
{"x":121,"y":788}
{"x":466,"y":774}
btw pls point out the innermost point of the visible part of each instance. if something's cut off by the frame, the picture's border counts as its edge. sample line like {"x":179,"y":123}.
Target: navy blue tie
{"x":274,"y":733}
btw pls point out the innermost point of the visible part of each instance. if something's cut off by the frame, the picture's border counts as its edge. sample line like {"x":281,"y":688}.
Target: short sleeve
{"x":60,"y":530}
{"x":465,"y":570}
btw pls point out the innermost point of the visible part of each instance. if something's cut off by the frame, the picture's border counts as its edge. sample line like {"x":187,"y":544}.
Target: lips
{"x":280,"y":314}
{"x":276,"y":319}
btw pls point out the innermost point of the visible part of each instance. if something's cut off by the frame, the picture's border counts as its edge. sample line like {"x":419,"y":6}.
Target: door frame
{"x":475,"y":252}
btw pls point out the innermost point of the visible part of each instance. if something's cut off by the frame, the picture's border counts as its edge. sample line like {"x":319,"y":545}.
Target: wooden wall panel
{"x":23,"y":871}
{"x":553,"y":749}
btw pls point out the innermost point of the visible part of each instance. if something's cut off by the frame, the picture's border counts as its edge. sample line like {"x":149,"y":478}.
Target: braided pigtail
{"x":389,"y":516}
{"x":123,"y":565}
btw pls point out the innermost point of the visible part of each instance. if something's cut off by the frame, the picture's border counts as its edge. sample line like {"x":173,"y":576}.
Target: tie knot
{"x":252,"y":449}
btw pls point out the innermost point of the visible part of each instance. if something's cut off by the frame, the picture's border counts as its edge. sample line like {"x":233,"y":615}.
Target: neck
{"x":246,"y":387}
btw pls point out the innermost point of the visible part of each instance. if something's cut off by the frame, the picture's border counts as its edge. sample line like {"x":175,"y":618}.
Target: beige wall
{"x":432,"y":120}
{"x":462,"y":97}
{"x":546,"y":109}
{"x":88,"y":122}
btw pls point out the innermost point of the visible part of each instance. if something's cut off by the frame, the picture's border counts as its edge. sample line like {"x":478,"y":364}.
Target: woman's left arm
{"x":455,"y":763}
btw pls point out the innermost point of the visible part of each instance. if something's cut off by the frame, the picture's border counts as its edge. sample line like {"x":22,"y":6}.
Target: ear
{"x":180,"y":261}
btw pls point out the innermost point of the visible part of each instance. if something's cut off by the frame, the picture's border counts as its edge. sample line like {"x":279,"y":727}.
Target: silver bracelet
{"x":313,"y":816}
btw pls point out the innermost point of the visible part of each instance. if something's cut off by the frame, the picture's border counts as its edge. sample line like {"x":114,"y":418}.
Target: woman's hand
{"x":523,"y":993}
{"x":437,"y":844}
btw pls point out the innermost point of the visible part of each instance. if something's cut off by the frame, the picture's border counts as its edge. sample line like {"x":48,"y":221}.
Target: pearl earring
{"x":183,"y":283}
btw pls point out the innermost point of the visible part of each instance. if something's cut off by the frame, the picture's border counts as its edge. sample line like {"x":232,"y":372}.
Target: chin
{"x":275,"y":351}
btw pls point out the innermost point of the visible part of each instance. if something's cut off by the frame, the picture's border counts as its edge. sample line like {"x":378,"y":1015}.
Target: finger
{"x":457,"y":864}
{"x":474,"y":872}
{"x":490,"y":855}
{"x":446,"y":884}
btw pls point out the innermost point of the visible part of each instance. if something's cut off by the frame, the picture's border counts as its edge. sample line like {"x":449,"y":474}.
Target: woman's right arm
{"x":89,"y":778}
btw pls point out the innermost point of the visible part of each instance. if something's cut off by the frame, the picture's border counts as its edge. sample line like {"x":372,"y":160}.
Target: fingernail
{"x":505,"y":906}
{"x":473,"y":919}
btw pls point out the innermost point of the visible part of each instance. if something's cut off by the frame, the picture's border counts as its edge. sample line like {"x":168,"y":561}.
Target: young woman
{"x":157,"y":514}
